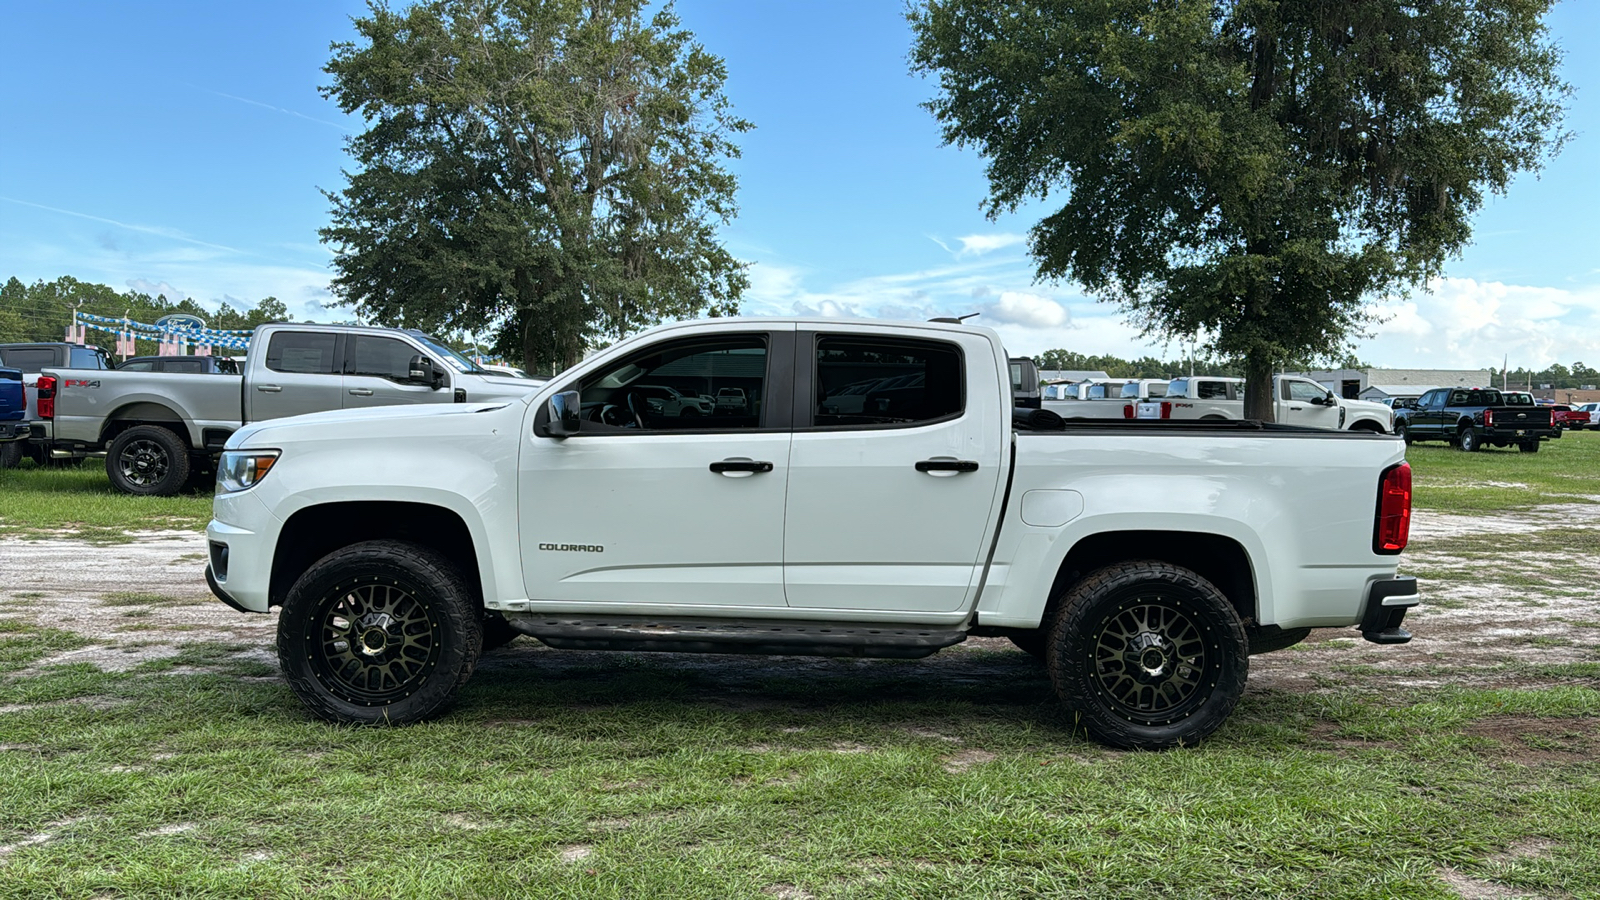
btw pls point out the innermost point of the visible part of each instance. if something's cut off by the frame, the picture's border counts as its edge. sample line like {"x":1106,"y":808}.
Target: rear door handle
{"x":269,"y":388}
{"x":947,"y":465}
{"x":739,"y":467}
{"x":360,"y":392}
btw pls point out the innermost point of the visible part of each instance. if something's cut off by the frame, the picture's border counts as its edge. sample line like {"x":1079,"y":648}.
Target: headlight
{"x":239,"y":470}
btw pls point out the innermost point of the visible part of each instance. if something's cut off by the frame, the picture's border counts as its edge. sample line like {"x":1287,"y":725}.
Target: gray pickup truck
{"x":31,"y":359}
{"x":157,"y":429}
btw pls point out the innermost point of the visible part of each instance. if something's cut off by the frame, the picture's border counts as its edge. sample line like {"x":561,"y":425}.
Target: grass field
{"x":1347,"y":771}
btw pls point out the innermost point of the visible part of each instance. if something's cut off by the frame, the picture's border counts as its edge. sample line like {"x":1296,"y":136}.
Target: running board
{"x":754,"y":636}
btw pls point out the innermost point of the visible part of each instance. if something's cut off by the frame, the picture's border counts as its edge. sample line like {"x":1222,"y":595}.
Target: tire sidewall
{"x":177,"y":453}
{"x":1099,"y":598}
{"x":430,"y":579}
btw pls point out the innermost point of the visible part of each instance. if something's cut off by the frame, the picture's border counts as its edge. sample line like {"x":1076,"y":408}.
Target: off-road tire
{"x":497,"y":632}
{"x":1149,"y":655}
{"x":1031,"y":642}
{"x":148,"y":461}
{"x":362,"y":611}
{"x":1529,"y":446}
{"x":1468,"y":441}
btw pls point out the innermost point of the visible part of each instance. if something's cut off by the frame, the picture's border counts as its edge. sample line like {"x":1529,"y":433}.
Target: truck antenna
{"x":954,"y":320}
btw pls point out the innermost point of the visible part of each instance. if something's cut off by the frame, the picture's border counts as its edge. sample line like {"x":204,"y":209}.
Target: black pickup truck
{"x":1470,"y":418}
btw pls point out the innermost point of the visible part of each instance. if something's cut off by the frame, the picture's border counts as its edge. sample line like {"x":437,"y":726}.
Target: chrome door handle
{"x":360,"y":392}
{"x":269,"y":389}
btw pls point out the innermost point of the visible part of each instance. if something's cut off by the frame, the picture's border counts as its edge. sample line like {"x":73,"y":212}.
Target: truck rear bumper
{"x":1386,"y":605}
{"x":13,"y":431}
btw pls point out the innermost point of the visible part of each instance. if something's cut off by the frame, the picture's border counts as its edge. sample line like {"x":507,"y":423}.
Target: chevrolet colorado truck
{"x":1471,"y":418}
{"x":155,"y":428}
{"x":1142,"y":561}
{"x":1296,"y":401}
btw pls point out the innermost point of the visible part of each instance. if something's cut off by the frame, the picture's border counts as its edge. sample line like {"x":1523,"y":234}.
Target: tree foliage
{"x":1248,"y":172}
{"x":43,"y":310}
{"x":550,"y":169}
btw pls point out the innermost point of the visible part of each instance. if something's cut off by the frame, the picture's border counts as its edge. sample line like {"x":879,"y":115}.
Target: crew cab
{"x":156,"y":428}
{"x":1144,"y":561}
{"x":1470,"y":418}
{"x":1296,"y":401}
{"x":32,"y":359}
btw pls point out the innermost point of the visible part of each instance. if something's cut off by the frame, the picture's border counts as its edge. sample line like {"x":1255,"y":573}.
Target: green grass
{"x":79,"y":502}
{"x":643,"y":777}
{"x":1563,"y":471}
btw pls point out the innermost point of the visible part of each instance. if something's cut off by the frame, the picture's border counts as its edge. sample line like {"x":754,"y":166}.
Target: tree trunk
{"x":1258,"y":399}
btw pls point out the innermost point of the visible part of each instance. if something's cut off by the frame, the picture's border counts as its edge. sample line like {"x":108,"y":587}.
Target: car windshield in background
{"x":456,"y":360}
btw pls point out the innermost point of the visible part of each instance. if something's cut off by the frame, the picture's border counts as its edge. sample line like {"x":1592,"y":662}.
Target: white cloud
{"x":1017,"y":308}
{"x":979,"y":244}
{"x":1465,"y":323}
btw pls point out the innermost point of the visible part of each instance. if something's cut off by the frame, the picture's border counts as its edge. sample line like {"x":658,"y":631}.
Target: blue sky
{"x":179,"y":148}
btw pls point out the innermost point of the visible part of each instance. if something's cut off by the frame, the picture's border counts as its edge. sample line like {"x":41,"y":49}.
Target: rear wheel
{"x":1529,"y":446}
{"x":1149,"y":655}
{"x":11,"y":454}
{"x":148,"y":460}
{"x":379,"y":633}
{"x":1468,"y":441}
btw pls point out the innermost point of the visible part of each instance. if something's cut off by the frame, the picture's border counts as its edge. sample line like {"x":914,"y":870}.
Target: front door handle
{"x":951,"y":466}
{"x":360,"y":392}
{"x":740,"y":467}
{"x":269,"y":389}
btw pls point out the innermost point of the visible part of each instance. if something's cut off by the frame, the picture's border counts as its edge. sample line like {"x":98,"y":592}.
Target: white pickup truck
{"x":1142,"y":561}
{"x":155,"y":427}
{"x":1103,"y":399}
{"x":1296,"y":401}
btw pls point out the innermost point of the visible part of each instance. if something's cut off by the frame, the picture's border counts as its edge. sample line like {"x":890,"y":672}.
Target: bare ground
{"x":144,"y":600}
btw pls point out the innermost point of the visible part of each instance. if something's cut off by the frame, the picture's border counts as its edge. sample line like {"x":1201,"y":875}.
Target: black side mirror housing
{"x":422,"y":371}
{"x":565,"y":415}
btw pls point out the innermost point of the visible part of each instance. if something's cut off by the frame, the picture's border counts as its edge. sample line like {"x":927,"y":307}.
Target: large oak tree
{"x":552,"y":170}
{"x":1254,"y":172}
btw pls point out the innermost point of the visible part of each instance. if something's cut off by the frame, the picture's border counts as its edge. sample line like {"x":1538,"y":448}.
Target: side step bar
{"x":757,"y":636}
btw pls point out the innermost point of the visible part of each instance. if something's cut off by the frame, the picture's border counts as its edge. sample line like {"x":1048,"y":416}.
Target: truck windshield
{"x":456,"y":360}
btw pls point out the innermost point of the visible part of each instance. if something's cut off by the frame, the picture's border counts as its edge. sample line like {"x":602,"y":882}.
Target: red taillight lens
{"x":1488,"y":418}
{"x":1129,"y":412}
{"x":47,"y":397}
{"x":1166,"y":410}
{"x":1393,"y":528}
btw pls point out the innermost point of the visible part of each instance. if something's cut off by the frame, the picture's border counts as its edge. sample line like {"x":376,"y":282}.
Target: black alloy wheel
{"x":148,"y":460}
{"x":1150,"y":655}
{"x":381,"y":632}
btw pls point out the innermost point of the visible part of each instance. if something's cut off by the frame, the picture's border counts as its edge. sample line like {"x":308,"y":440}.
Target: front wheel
{"x":379,"y":633}
{"x":1149,"y":655}
{"x":148,"y":460}
{"x":1402,"y":432}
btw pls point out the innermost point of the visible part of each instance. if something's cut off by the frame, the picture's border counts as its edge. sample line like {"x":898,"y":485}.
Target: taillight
{"x":47,"y":397}
{"x":1488,"y":418}
{"x":1393,"y":527}
{"x":1166,"y":410}
{"x":1129,"y":412}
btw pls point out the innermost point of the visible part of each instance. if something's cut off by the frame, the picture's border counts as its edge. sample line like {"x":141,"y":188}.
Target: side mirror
{"x":422,"y":371}
{"x":565,"y":415}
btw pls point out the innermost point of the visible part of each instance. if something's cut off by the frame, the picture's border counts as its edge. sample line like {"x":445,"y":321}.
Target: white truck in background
{"x":1143,"y":562}
{"x":1297,"y":401}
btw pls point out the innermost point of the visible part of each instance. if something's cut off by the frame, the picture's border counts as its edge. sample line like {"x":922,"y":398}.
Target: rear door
{"x":378,"y":373}
{"x":648,"y":506}
{"x":888,"y":506}
{"x":300,"y":374}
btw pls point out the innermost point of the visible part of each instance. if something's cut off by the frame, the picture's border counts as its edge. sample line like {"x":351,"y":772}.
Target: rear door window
{"x":29,"y":359}
{"x":303,"y":352}
{"x":87,"y":358}
{"x":876,"y":382}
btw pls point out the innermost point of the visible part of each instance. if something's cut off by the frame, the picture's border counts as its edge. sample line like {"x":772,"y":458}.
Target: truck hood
{"x":373,"y":421}
{"x":496,"y":387}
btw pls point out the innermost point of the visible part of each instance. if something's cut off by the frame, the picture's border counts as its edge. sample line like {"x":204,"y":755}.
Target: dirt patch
{"x":956,"y":763}
{"x":1469,"y":888}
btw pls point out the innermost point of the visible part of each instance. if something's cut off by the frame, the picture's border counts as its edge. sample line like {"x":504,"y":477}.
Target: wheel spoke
{"x":375,"y":643}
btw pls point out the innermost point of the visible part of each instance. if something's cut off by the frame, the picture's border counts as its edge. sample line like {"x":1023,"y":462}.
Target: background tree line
{"x":1151,"y":367}
{"x":43,"y":310}
{"x":1579,"y":376}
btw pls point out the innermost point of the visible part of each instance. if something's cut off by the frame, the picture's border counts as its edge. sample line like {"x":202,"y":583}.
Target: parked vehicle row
{"x":32,"y":359}
{"x":1144,"y":560}
{"x":1296,"y":401}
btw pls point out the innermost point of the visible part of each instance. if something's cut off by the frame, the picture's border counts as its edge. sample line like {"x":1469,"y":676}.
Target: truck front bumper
{"x":1387,"y":602}
{"x":241,"y":538}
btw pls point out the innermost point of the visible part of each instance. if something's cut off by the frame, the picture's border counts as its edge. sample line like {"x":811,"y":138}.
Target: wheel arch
{"x":144,"y":412}
{"x":311,"y":533}
{"x":1372,"y":425}
{"x":1218,"y":558}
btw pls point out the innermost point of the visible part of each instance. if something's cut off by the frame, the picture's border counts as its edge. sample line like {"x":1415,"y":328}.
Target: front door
{"x":654,"y":505}
{"x":303,"y":374}
{"x":1297,"y":396}
{"x":378,"y":373}
{"x":891,"y":493}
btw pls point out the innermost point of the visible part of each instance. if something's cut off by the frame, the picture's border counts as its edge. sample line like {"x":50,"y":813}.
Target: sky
{"x":182,"y":148}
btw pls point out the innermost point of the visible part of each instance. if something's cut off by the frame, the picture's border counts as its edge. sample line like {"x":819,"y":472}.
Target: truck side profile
{"x":1143,"y":562}
{"x":1296,"y":401}
{"x":1470,"y":418}
{"x":156,"y":427}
